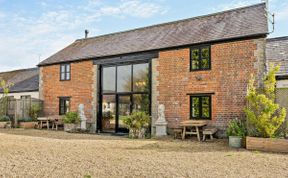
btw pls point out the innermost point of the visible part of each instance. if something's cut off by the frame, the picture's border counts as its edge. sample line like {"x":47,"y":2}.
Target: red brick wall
{"x":79,"y":88}
{"x":231,"y":66}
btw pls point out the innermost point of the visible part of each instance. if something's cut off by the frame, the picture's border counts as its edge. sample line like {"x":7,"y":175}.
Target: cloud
{"x":28,"y":37}
{"x":235,"y":4}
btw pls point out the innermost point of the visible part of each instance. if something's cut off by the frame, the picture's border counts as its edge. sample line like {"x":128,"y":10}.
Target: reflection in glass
{"x":124,"y":78}
{"x":195,"y":59}
{"x":109,"y":79}
{"x":108,"y":113}
{"x":124,"y":109}
{"x":140,"y":77}
{"x":141,"y":102}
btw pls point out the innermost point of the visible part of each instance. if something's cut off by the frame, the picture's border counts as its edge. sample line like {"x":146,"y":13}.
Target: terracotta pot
{"x":28,"y":125}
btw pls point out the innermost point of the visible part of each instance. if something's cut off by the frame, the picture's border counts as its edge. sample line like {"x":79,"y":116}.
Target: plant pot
{"x":267,"y":144}
{"x":235,"y":141}
{"x":70,"y":127}
{"x":3,"y":124}
{"x":28,"y":125}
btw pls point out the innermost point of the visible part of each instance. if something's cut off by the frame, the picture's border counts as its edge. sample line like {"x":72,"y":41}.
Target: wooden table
{"x":192,"y":124}
{"x":43,"y":120}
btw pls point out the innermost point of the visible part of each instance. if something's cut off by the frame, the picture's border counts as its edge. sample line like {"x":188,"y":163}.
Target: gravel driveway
{"x":35,"y":153}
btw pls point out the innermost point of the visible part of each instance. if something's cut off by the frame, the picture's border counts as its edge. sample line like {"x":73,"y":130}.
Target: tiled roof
{"x":23,"y":80}
{"x":277,"y":53}
{"x":236,"y":23}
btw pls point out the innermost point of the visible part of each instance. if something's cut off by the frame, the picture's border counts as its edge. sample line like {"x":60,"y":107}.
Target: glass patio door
{"x":124,"y":109}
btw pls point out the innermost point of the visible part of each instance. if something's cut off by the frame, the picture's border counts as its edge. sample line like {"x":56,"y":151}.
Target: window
{"x":64,"y":105}
{"x":200,"y":107}
{"x":65,"y":72}
{"x":109,"y":78}
{"x":200,"y":58}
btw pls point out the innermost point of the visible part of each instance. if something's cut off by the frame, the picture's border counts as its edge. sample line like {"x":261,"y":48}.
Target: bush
{"x":264,"y":116}
{"x":34,"y":111}
{"x":236,"y":127}
{"x":71,"y":118}
{"x":136,"y":122}
{"x":107,"y":115}
{"x":25,"y":119}
{"x":4,"y":118}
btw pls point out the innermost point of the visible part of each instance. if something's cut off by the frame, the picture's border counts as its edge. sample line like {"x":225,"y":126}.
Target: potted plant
{"x":71,"y":121}
{"x":106,"y":117}
{"x":27,"y":123}
{"x":4,"y":121}
{"x":137,"y":123}
{"x":236,"y":131}
{"x":265,"y":117}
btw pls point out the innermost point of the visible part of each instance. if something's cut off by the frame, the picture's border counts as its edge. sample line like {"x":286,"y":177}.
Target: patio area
{"x":42,"y":153}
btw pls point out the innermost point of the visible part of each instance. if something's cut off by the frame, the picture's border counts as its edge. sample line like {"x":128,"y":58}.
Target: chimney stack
{"x":86,"y":33}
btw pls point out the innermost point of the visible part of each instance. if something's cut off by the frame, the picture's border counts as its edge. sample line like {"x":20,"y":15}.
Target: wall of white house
{"x":34,"y":94}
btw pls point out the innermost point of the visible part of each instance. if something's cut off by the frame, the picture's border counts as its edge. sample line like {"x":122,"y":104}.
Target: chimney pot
{"x":86,"y":33}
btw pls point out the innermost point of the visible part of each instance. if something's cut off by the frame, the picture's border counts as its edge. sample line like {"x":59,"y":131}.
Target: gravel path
{"x":35,"y":153}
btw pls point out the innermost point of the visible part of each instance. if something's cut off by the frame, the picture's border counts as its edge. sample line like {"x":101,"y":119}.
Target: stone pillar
{"x":94,"y":99}
{"x":83,"y":118}
{"x":154,"y":94}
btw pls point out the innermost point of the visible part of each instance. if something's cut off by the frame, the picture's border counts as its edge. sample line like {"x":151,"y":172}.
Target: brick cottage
{"x":198,"y":68}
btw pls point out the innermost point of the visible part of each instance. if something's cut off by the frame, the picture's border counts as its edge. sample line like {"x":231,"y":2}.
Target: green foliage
{"x":5,"y":87}
{"x":264,"y":116}
{"x":71,"y":118}
{"x":236,"y":127}
{"x":34,"y":111}
{"x":136,"y":121}
{"x":25,"y":119}
{"x":4,"y":118}
{"x":107,"y":115}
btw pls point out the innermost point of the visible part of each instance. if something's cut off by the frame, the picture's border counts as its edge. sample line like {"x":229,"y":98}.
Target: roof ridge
{"x":19,"y":70}
{"x":172,"y":22}
{"x":278,"y":38}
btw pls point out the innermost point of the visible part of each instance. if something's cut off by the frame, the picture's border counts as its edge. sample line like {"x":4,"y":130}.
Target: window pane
{"x":195,"y":64}
{"x":195,"y":112}
{"x":68,"y":68}
{"x":62,"y":68}
{"x":141,"y":102}
{"x":205,"y":101}
{"x":205,"y":64}
{"x":62,"y":76}
{"x":109,"y":79}
{"x":195,"y":101}
{"x":67,"y":76}
{"x":140,"y":77}
{"x":67,"y":105}
{"x":205,"y":52}
{"x":205,"y":112}
{"x":195,"y":54}
{"x":108,"y":113}
{"x":124,"y":78}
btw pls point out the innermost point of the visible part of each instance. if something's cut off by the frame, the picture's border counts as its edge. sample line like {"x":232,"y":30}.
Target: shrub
{"x":25,"y":119}
{"x":264,"y":116}
{"x":136,"y":122}
{"x":4,"y":118}
{"x":107,"y":115}
{"x":236,"y":127}
{"x":71,"y":118}
{"x":34,"y":111}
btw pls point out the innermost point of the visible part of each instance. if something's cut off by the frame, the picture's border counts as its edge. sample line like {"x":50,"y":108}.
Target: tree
{"x":5,"y":87}
{"x":263,"y":114}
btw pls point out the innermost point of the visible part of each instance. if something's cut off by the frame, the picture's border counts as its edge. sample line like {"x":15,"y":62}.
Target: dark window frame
{"x":199,"y":48}
{"x":201,"y":107}
{"x":65,"y":72}
{"x":64,"y":98}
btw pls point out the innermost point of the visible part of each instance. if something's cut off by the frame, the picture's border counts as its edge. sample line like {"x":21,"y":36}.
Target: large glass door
{"x":124,"y":109}
{"x":124,"y":88}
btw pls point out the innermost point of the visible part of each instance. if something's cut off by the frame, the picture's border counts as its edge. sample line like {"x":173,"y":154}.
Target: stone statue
{"x":82,"y":116}
{"x":161,"y":123}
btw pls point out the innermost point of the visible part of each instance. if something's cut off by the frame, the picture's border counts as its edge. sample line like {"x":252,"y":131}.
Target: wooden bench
{"x":209,"y":131}
{"x":177,"y":132}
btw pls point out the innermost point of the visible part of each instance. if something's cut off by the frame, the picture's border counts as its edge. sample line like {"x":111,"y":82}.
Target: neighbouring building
{"x":25,"y":83}
{"x":277,"y":54}
{"x":22,"y":94}
{"x":197,"y":67}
